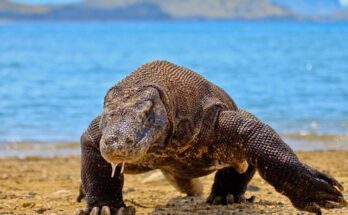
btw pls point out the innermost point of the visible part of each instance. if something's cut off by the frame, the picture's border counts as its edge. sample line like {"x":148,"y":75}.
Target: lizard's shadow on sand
{"x":197,"y":205}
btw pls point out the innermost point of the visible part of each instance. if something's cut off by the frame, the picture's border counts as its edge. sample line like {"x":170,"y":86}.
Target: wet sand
{"x":37,"y":185}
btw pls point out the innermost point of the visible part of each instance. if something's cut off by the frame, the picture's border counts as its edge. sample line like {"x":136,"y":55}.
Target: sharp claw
{"x":328,"y":205}
{"x":313,"y":207}
{"x":95,"y":211}
{"x":121,"y":211}
{"x":340,"y":186}
{"x":242,"y":199}
{"x":217,"y":200}
{"x":210,"y":199}
{"x":251,"y":199}
{"x":343,"y":202}
{"x":328,"y":188}
{"x":130,"y":210}
{"x":331,"y":181}
{"x":340,"y":200}
{"x":337,"y":184}
{"x":239,"y":199}
{"x":229,"y":199}
{"x":80,"y":212}
{"x":105,"y":211}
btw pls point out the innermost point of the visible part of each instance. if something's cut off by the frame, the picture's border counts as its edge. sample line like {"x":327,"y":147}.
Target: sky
{"x":343,"y":2}
{"x":46,"y":1}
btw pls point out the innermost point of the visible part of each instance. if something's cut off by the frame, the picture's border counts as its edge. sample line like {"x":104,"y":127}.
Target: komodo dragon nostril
{"x":130,"y":140}
{"x":108,"y":142}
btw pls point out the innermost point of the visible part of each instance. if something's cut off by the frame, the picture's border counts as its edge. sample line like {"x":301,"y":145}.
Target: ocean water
{"x":292,"y":75}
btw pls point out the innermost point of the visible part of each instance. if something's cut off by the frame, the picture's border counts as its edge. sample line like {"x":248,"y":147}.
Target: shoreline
{"x":36,"y":185}
{"x":300,"y":141}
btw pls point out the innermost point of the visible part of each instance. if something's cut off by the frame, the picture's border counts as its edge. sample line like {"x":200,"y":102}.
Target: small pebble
{"x":41,"y":210}
{"x":28,"y":204}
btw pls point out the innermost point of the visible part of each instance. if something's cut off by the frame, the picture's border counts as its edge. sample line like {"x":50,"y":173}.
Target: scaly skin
{"x":167,"y":117}
{"x":308,"y":189}
{"x":230,"y":185}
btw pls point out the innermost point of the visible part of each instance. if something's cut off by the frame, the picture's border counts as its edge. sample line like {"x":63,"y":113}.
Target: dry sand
{"x":50,"y":186}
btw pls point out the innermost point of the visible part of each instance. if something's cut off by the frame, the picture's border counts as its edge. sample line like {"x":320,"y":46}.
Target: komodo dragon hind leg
{"x":190,"y":186}
{"x":230,"y":185}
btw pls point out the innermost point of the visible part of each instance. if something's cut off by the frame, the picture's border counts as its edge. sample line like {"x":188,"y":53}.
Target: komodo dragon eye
{"x":105,"y":117}
{"x":149,"y":117}
{"x":112,"y":114}
{"x":147,"y":114}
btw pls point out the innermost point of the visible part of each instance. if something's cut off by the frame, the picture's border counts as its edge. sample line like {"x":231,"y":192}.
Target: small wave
{"x":37,"y":145}
{"x":313,"y":141}
{"x":41,"y":149}
{"x":309,"y":136}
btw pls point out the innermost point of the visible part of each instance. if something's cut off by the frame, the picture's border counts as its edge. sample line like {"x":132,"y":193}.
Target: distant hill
{"x":341,"y":15}
{"x":206,"y":9}
{"x":310,"y":7}
{"x":173,"y":9}
{"x":10,"y":7}
{"x":80,"y":11}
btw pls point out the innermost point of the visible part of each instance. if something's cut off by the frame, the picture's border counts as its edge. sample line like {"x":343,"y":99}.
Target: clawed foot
{"x":105,"y":210}
{"x":228,"y":199}
{"x":321,"y":191}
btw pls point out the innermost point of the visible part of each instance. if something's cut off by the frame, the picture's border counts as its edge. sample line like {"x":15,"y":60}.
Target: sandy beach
{"x":37,"y":185}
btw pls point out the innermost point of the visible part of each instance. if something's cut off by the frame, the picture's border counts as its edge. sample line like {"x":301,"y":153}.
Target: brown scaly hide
{"x":206,"y":128}
{"x":192,"y":102}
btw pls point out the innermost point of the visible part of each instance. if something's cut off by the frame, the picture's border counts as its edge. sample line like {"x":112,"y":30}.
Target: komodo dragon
{"x":163,"y":116}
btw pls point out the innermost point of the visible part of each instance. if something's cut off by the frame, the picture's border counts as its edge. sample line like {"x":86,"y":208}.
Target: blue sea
{"x":292,"y":75}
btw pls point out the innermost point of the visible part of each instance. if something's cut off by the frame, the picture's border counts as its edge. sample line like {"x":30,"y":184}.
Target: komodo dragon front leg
{"x":307,"y":188}
{"x":103,"y":193}
{"x":230,"y":185}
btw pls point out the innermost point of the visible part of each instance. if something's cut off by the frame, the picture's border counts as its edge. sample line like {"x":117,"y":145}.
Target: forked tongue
{"x":114,"y":166}
{"x":122,"y":168}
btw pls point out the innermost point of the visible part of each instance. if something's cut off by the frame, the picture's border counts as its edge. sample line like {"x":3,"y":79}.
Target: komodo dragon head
{"x":133,"y":119}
